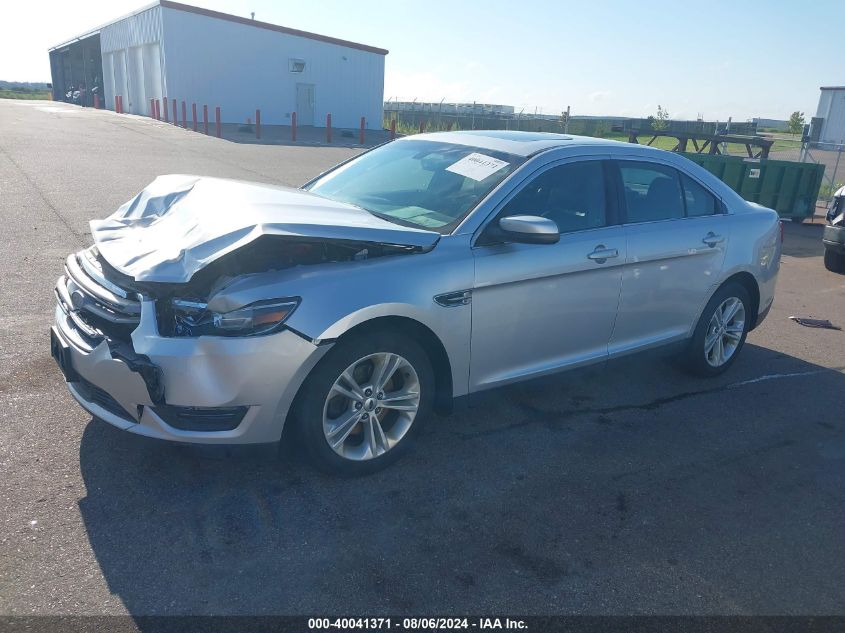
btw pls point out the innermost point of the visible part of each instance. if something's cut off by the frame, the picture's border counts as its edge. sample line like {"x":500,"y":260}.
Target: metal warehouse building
{"x":832,"y":112}
{"x":199,"y":56}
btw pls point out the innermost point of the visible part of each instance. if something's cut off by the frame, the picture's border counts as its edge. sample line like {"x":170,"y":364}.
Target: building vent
{"x":296,"y":65}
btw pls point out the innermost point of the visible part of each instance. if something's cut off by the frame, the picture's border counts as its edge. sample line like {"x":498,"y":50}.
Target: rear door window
{"x":652,"y":192}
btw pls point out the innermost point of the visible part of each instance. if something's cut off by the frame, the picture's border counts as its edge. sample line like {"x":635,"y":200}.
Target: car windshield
{"x":418,"y":183}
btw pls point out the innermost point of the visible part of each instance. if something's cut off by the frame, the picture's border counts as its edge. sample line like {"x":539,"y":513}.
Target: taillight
{"x":781,"y":230}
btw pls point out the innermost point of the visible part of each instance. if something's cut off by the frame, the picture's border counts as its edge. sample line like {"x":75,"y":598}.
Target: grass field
{"x":6,"y":93}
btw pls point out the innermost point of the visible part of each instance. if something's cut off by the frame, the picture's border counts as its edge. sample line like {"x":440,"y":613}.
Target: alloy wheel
{"x":371,"y":406}
{"x":724,"y":332}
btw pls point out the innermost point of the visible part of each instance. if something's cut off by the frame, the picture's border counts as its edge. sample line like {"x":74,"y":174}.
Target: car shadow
{"x":803,"y":240}
{"x":618,"y":489}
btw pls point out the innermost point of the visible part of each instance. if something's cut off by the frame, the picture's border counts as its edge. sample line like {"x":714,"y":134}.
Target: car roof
{"x":514,"y":142}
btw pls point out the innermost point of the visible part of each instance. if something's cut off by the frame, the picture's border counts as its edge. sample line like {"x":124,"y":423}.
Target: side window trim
{"x":680,"y":177}
{"x":612,"y":193}
{"x":613,"y":214}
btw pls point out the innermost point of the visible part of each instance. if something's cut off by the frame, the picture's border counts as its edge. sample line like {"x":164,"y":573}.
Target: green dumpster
{"x":788,"y":187}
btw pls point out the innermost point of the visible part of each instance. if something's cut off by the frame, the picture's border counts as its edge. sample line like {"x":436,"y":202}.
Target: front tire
{"x":720,"y":332}
{"x":364,"y":403}
{"x":833,"y":261}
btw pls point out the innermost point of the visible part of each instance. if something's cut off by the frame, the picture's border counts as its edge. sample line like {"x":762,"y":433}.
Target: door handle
{"x":711,"y":239}
{"x":601,"y":254}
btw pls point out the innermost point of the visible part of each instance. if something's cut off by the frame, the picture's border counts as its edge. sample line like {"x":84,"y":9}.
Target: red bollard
{"x":152,"y":108}
{"x":184,"y":116}
{"x":257,"y":123}
{"x":422,"y":126}
{"x":96,"y":101}
{"x":449,"y":127}
{"x":363,"y":123}
{"x":217,"y":116}
{"x":175,"y":116}
{"x":166,"y":120}
{"x":329,"y":127}
{"x":194,"y":115}
{"x":393,"y":130}
{"x":293,"y":127}
{"x":117,"y":103}
{"x":205,"y":119}
{"x":158,"y":110}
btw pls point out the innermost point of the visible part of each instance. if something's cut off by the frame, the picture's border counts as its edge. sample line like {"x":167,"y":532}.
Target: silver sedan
{"x":216,"y":311}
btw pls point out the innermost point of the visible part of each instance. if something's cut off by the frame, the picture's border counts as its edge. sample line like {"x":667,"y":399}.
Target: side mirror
{"x":529,"y":229}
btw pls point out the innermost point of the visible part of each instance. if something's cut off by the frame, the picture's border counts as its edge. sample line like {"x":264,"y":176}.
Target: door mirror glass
{"x":529,"y":229}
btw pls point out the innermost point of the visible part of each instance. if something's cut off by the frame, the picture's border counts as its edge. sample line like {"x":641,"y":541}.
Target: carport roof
{"x":178,"y":6}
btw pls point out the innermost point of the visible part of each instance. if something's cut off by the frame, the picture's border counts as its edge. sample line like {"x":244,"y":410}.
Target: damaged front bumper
{"x":210,"y":390}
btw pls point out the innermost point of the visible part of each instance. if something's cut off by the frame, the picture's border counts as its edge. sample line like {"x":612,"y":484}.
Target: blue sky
{"x":720,"y":59}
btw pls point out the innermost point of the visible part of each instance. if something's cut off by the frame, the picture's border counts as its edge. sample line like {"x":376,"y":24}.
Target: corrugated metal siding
{"x":832,"y":108}
{"x":135,"y":30}
{"x":133,"y":60}
{"x":240,"y":68}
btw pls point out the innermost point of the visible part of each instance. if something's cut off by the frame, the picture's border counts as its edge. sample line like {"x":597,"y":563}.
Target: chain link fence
{"x":831,"y":156}
{"x":435,"y":117}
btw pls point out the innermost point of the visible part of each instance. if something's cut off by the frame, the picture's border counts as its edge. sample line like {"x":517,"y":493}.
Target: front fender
{"x":336,"y":297}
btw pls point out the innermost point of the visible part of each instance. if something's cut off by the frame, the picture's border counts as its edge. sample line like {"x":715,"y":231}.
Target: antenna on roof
{"x":252,"y":15}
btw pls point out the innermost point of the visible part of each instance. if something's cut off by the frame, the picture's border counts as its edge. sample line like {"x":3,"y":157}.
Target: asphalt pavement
{"x":622,"y":489}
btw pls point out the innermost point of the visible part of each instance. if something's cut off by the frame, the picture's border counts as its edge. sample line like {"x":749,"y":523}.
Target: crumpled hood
{"x":179,"y":224}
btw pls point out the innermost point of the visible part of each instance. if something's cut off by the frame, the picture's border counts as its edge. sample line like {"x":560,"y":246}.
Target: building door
{"x":305,"y":100}
{"x":152,"y":73}
{"x":121,"y":87}
{"x":137,"y":100}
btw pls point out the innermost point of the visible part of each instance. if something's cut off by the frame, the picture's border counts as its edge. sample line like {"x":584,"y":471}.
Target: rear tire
{"x":833,"y":261}
{"x":720,"y":333}
{"x":347,"y":401}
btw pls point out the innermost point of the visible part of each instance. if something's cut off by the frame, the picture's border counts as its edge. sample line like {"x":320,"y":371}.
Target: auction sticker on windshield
{"x":477,"y":166}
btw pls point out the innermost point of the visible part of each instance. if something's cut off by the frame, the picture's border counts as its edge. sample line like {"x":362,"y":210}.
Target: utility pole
{"x":566,"y":121}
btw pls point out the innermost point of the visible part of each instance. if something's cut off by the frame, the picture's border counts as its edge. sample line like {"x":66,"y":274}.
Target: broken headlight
{"x":192,"y":318}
